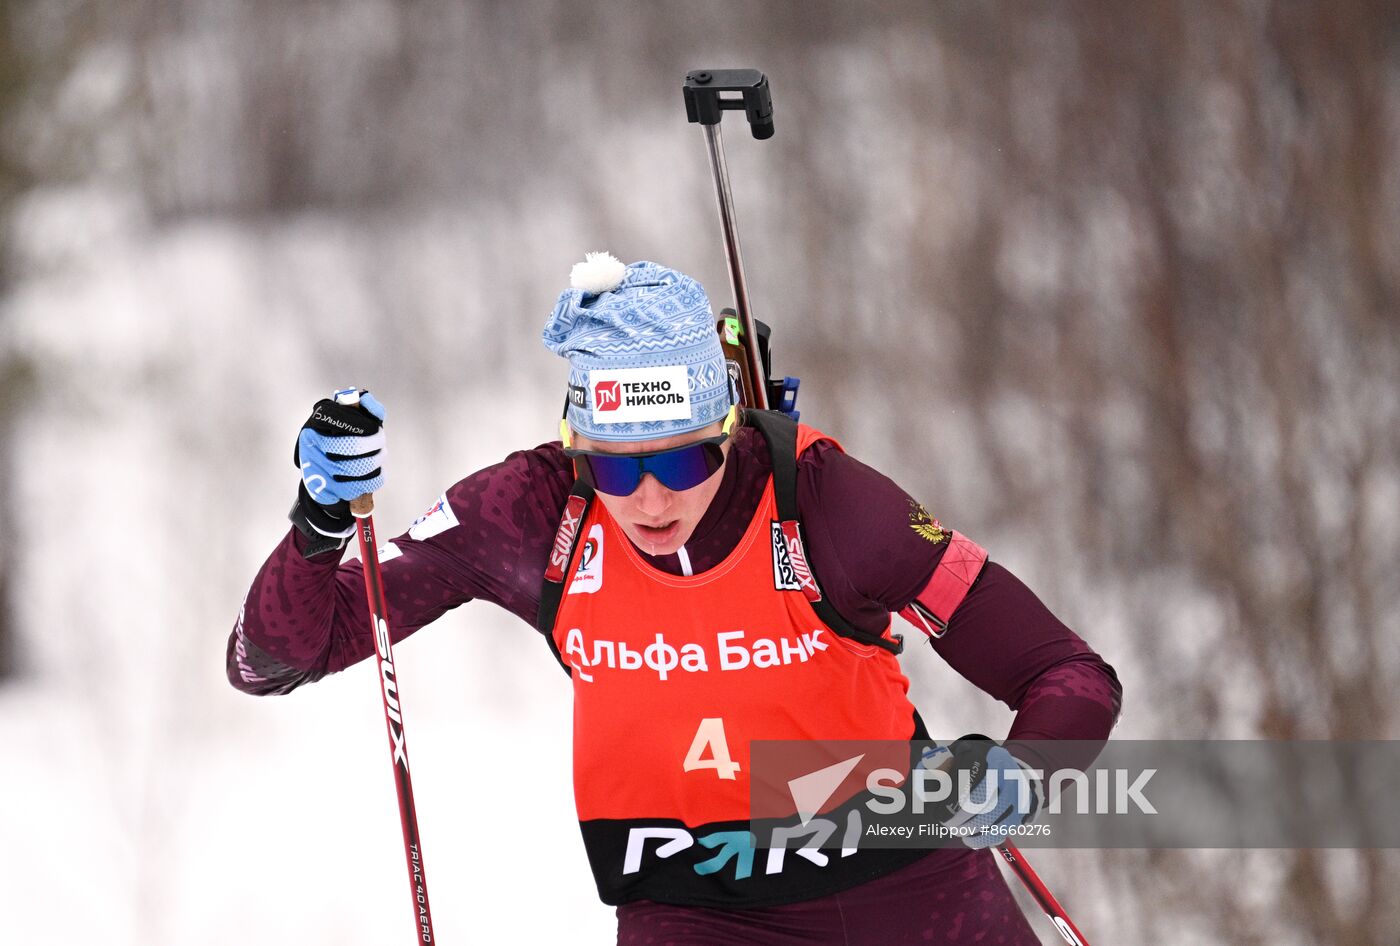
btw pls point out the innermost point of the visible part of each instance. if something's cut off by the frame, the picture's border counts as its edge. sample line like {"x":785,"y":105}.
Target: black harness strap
{"x":780,"y":431}
{"x":561,"y":556}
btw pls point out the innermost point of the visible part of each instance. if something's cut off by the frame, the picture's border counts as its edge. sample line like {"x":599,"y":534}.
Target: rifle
{"x":709,"y":93}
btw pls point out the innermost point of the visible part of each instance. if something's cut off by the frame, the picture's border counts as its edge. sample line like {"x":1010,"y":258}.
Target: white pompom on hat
{"x":599,"y":272}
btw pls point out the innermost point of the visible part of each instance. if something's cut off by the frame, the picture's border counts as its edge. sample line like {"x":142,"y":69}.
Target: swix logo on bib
{"x":564,"y":538}
{"x":588,"y":577}
{"x":784,"y":575}
{"x":626,"y":395}
{"x":438,"y":518}
{"x":790,"y":569}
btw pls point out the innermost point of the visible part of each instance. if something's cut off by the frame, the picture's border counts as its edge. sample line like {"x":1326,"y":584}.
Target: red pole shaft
{"x":393,"y":719}
{"x":1042,"y":895}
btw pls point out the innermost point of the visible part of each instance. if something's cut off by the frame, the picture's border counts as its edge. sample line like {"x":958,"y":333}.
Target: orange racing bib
{"x":674,"y":676}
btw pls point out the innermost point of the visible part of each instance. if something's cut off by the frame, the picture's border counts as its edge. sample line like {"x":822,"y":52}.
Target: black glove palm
{"x":339,"y":452}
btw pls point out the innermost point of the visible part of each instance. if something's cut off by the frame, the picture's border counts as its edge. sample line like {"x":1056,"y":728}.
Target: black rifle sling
{"x":780,"y":431}
{"x":552,"y":592}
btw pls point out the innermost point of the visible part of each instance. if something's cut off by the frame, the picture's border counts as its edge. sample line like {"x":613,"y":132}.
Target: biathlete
{"x":656,"y":547}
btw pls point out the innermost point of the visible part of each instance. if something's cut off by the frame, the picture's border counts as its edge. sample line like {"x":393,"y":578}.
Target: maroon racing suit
{"x":873,"y":549}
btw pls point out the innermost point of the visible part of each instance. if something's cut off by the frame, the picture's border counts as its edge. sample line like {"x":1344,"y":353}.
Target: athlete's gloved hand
{"x":340,"y":453}
{"x":1001,"y":791}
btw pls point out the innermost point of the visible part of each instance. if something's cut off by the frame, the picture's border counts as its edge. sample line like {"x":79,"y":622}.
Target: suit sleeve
{"x":486,"y":537}
{"x":874,"y":549}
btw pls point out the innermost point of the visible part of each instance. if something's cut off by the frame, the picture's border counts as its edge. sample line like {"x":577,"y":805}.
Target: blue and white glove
{"x":983,"y":810}
{"x":340,"y":453}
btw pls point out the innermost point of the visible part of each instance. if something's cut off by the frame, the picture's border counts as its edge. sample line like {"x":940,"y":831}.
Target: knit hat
{"x":644,"y":356}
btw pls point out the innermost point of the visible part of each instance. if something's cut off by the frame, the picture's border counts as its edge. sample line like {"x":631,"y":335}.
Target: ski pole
{"x":1042,"y":894}
{"x":362,"y":509}
{"x":1019,"y":866}
{"x":705,"y":103}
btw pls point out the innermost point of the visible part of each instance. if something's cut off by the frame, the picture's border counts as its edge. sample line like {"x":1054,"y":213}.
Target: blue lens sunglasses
{"x":678,"y":469}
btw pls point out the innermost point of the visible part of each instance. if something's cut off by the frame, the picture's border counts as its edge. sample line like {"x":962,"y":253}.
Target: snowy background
{"x":1112,"y":288}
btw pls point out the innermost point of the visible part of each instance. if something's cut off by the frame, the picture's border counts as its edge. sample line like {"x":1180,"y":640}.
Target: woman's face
{"x":658,"y":520}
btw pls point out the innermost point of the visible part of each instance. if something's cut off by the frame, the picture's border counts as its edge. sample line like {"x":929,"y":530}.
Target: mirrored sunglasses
{"x":678,"y":469}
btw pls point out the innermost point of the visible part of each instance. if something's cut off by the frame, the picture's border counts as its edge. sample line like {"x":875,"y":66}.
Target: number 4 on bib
{"x":711,"y":735}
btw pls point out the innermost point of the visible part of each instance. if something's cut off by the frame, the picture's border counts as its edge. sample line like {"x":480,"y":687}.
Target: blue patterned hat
{"x":644,"y":357}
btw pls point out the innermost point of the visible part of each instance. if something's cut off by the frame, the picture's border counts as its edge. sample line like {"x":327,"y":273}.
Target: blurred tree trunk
{"x":15,"y":377}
